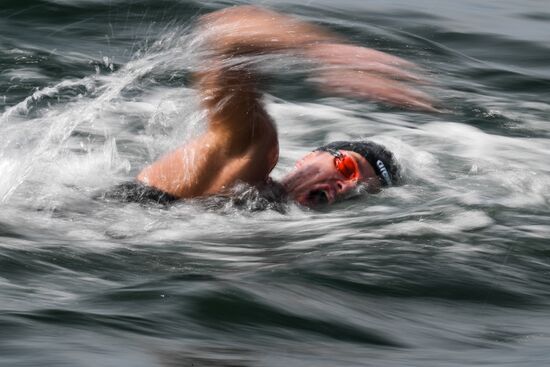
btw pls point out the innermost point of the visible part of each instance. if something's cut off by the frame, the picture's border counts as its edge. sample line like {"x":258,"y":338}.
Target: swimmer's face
{"x":323,"y":178}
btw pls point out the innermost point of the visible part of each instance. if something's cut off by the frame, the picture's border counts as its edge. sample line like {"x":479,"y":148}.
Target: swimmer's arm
{"x":343,"y":68}
{"x":230,"y":86}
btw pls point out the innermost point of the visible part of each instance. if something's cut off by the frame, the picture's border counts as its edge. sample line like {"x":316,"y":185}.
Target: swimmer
{"x":240,"y":143}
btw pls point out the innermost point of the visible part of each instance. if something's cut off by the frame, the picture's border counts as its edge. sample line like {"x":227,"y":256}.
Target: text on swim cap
{"x":384,"y":172}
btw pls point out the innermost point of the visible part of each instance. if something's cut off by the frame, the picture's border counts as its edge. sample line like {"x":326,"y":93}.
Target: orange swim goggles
{"x":345,"y":164}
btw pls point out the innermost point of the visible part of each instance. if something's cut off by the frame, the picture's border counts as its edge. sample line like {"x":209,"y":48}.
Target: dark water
{"x":451,"y":269}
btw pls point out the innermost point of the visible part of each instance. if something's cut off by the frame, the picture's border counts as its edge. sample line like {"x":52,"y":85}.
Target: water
{"x":450,"y":269}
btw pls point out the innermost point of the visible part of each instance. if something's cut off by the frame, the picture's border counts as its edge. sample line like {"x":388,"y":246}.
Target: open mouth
{"x":318,"y":197}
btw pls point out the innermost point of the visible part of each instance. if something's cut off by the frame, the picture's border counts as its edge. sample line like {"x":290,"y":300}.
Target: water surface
{"x":450,"y":269}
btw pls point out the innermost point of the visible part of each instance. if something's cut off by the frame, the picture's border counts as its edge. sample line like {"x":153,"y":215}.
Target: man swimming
{"x":240,"y":143}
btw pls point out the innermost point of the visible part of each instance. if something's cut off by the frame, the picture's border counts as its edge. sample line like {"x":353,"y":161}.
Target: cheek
{"x":305,"y":177}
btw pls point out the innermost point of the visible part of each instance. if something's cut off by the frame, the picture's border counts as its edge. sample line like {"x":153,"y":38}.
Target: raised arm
{"x":240,"y":142}
{"x":343,"y":68}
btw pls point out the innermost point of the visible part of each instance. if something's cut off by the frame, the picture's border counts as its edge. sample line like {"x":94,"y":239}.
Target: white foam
{"x":55,"y":155}
{"x":455,"y":223}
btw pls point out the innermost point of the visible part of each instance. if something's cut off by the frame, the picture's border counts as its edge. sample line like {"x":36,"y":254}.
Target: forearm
{"x":343,"y":68}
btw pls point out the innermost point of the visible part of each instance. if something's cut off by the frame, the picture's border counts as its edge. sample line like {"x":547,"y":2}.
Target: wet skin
{"x":315,"y":179}
{"x":240,"y":143}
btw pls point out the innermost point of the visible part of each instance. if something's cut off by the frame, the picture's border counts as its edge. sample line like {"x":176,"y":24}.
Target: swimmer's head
{"x":339,"y":170}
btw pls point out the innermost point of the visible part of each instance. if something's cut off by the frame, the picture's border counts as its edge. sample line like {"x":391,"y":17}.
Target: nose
{"x":344,"y":186}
